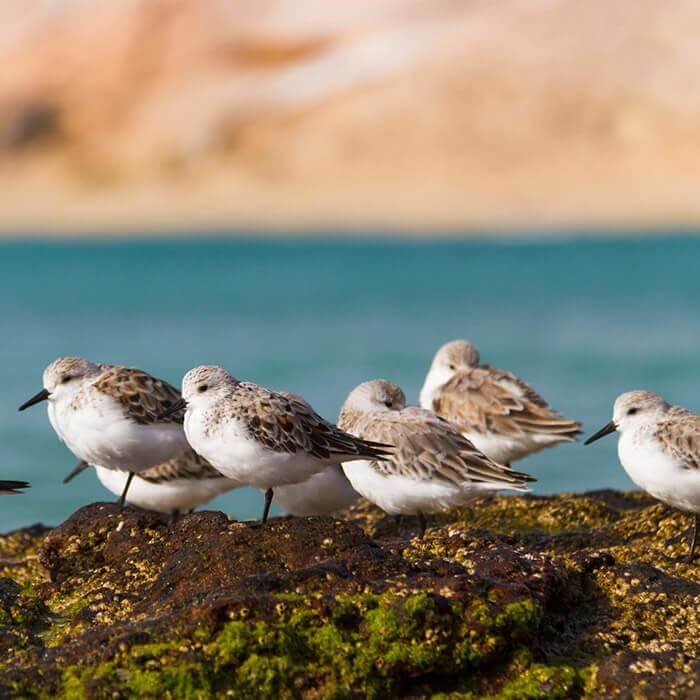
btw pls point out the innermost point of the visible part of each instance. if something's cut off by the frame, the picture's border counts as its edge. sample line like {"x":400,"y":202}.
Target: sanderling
{"x":260,"y":437}
{"x":110,"y":415}
{"x":175,"y":487}
{"x":433,"y":466}
{"x":12,"y":486}
{"x":325,"y":492}
{"x":659,"y":448}
{"x":501,"y":414}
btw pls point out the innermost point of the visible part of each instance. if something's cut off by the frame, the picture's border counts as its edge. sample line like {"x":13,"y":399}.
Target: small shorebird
{"x":12,"y":486}
{"x":325,"y":492}
{"x":659,"y":448}
{"x":175,"y":487}
{"x":433,"y":465}
{"x":501,"y":414}
{"x":110,"y":415}
{"x":260,"y":437}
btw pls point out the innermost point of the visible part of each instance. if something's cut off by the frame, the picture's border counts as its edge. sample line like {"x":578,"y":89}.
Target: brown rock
{"x":557,"y":597}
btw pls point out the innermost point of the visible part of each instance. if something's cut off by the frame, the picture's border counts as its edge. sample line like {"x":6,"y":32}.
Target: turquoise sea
{"x":580,"y":319}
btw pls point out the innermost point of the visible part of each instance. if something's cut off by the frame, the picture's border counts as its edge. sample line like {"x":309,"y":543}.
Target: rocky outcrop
{"x":515,"y":597}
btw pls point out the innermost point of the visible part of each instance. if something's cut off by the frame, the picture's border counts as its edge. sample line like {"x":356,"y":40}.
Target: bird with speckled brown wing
{"x":432,"y":466}
{"x":111,"y":415}
{"x":499,"y":412}
{"x":260,"y":437}
{"x":659,"y":448}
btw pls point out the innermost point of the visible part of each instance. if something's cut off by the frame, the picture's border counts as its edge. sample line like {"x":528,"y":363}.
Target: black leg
{"x":268,"y":503}
{"x":122,"y":498}
{"x":81,"y":467}
{"x":174,"y":516}
{"x":691,"y":554}
{"x":421,"y":525}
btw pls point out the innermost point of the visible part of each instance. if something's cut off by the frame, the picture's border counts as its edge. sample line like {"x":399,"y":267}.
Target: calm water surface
{"x":580,"y":320}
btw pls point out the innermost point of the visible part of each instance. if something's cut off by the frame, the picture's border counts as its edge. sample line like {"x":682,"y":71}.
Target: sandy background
{"x":405,"y":115}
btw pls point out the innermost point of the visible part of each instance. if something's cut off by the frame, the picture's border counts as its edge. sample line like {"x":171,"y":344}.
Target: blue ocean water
{"x":581,"y":320}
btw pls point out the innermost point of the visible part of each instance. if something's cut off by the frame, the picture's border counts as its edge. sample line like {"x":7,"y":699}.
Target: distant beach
{"x":443,"y":118}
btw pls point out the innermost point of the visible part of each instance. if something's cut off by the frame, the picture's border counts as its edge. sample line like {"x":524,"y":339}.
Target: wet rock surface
{"x":515,"y":597}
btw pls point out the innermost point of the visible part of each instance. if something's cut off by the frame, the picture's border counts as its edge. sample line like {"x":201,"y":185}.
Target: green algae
{"x":540,"y":681}
{"x":371,"y":645}
{"x":20,"y":608}
{"x":81,"y":682}
{"x":509,"y":515}
{"x":588,"y":579}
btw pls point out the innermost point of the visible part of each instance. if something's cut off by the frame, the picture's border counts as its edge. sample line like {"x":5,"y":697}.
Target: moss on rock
{"x":515,"y":597}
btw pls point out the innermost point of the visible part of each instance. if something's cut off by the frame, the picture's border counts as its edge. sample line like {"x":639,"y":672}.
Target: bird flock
{"x":162,"y":449}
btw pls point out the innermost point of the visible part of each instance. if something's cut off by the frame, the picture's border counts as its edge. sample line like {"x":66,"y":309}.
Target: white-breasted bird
{"x":432,"y":467}
{"x":659,"y":448}
{"x":260,"y":437}
{"x":499,"y":412}
{"x":111,"y":415}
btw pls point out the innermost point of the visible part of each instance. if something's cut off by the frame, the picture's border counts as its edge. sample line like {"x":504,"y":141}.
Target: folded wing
{"x":429,"y":448}
{"x":485,"y":399}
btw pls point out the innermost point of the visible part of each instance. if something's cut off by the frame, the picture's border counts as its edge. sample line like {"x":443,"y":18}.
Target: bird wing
{"x":485,"y":399}
{"x":187,"y":466}
{"x":427,"y":447}
{"x":680,"y":436}
{"x":285,"y":422}
{"x":144,"y":397}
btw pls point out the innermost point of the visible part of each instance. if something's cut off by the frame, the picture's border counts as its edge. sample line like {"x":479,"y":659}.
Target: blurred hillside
{"x":153,"y":114}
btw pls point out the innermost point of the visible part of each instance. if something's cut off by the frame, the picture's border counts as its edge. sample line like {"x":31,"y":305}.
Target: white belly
{"x":509,"y":448}
{"x":100,"y":434}
{"x":400,"y":495}
{"x":231,"y":450}
{"x":325,"y":492}
{"x":659,"y":474}
{"x":165,"y":497}
{"x":54,"y":419}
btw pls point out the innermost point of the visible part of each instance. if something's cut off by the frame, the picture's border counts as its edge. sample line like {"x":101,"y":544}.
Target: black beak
{"x":177,"y":406}
{"x":13,"y":486}
{"x":605,"y":430}
{"x":80,"y":468}
{"x":37,"y":398}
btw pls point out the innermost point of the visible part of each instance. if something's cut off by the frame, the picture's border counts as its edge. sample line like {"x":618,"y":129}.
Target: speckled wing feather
{"x":428,"y":448}
{"x":485,"y":399}
{"x":679,"y":435}
{"x":284,"y":422}
{"x":188,"y":466}
{"x":12,"y":486}
{"x":143,"y":397}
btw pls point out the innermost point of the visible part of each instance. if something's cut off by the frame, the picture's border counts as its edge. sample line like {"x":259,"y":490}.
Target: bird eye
{"x":452,"y":367}
{"x":66,"y":379}
{"x":632,"y":411}
{"x":202,"y":388}
{"x":388,"y":403}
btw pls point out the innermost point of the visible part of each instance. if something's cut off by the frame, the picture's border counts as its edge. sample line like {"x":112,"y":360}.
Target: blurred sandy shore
{"x":376,"y":114}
